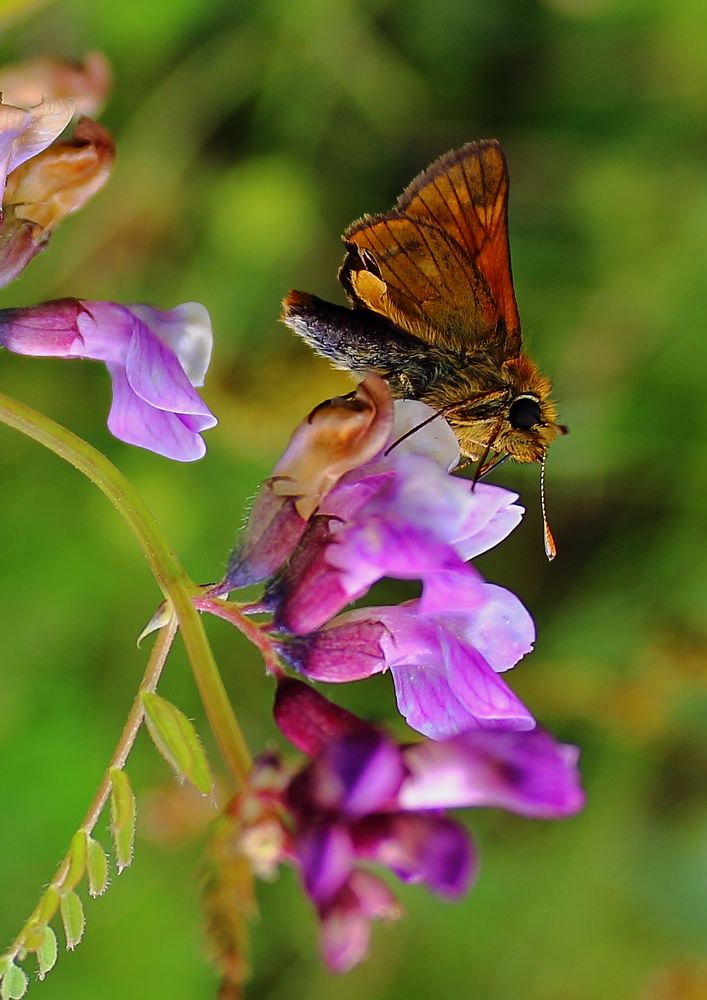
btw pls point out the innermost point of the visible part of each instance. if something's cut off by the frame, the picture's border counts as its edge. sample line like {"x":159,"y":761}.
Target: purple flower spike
{"x":403,"y":515}
{"x":154,"y":357}
{"x":364,"y":798}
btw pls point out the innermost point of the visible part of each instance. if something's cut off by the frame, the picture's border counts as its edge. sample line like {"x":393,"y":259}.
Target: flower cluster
{"x":365,"y":799}
{"x":154,"y":357}
{"x":365,"y":491}
{"x":401,"y":514}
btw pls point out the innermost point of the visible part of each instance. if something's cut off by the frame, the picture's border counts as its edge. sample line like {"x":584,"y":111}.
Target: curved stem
{"x":166,"y":568}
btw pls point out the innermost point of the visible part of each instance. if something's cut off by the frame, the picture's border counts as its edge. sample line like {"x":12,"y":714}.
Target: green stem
{"x":166,"y":568}
{"x":118,"y":759}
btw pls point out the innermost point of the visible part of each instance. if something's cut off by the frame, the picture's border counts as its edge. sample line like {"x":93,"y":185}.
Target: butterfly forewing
{"x":443,"y":254}
{"x":417,"y":276}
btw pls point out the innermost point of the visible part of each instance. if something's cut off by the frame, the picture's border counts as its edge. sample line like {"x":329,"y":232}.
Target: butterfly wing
{"x":438,"y":265}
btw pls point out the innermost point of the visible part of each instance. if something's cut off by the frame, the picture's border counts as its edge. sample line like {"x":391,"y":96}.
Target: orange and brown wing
{"x":439,"y":265}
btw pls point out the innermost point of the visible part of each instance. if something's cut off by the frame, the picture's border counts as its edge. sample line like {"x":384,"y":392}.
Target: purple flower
{"x":402,"y":514}
{"x":364,"y":798}
{"x":154,"y":358}
{"x":444,"y":667}
{"x":337,"y":436}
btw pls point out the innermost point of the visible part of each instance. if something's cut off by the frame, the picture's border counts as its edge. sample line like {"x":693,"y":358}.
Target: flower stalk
{"x":164,"y":565}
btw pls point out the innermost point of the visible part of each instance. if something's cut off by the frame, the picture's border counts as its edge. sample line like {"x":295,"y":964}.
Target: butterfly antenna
{"x":550,"y":547}
{"x":415,"y":429}
{"x":442,"y":412}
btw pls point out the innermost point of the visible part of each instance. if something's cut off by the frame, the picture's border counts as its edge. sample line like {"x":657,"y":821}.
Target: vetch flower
{"x":42,"y":190}
{"x":445,"y":666}
{"x":337,"y":436}
{"x":364,"y":798}
{"x":154,"y":358}
{"x":399,"y":514}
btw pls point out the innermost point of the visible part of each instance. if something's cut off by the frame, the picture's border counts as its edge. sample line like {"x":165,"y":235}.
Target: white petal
{"x":187,"y":330}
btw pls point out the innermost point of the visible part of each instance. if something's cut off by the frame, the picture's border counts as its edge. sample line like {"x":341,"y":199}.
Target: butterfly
{"x":434,"y":310}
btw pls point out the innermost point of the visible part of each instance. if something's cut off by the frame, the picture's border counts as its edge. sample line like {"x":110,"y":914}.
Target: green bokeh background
{"x":249,"y":135}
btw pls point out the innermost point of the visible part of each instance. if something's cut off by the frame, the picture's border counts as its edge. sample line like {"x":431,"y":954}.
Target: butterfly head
{"x":518,"y":419}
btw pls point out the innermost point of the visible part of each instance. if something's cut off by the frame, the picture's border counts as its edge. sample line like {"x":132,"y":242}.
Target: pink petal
{"x":501,"y":628}
{"x":155,"y":374}
{"x":133,"y":420}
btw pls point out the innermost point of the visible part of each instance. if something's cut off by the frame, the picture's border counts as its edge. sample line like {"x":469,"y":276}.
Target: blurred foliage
{"x":249,"y":135}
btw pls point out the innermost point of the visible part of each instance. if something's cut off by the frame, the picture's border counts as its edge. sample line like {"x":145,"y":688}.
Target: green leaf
{"x":46,"y":953}
{"x":72,"y":918}
{"x":122,"y":817}
{"x":5,"y":964}
{"x":77,"y":860}
{"x":14,"y":983}
{"x":97,"y":864}
{"x":177,"y":741}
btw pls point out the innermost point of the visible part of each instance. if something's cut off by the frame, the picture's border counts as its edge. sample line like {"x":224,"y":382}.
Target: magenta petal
{"x":155,"y":374}
{"x":354,"y":490}
{"x":309,"y":720}
{"x":418,"y":848}
{"x":326,"y":855}
{"x":133,"y":420}
{"x":368,"y":768}
{"x":459,"y":589}
{"x":352,"y":776}
{"x":344,"y":935}
{"x":376,"y":548}
{"x":525,"y":772}
{"x":451,"y":689}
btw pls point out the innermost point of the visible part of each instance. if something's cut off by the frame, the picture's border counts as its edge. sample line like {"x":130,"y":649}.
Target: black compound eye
{"x":524,"y":413}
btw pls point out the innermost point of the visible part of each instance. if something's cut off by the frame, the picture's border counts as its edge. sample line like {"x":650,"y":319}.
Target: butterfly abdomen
{"x":358,"y":341}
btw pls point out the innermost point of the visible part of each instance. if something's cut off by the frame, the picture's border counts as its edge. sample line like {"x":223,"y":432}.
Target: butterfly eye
{"x":524,"y":413}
